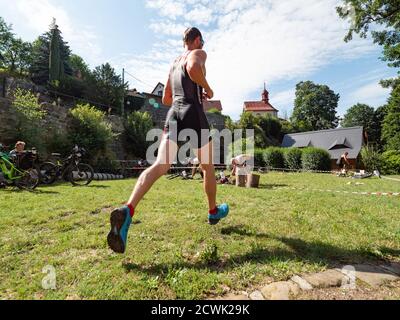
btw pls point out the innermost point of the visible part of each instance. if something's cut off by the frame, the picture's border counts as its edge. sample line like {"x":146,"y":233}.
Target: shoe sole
{"x":213,"y":222}
{"x":114,"y":239}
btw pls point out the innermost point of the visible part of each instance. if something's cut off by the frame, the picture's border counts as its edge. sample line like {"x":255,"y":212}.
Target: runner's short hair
{"x":191,"y":34}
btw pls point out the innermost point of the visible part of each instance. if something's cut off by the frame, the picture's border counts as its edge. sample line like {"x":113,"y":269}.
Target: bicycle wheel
{"x":48,"y":173}
{"x":30,"y":180}
{"x":81,"y":174}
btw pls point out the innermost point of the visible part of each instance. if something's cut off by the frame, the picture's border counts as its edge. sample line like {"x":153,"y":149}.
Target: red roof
{"x":212,"y":104}
{"x":259,"y":106}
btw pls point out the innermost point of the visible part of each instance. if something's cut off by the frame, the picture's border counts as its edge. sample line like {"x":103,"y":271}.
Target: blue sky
{"x":248,"y":42}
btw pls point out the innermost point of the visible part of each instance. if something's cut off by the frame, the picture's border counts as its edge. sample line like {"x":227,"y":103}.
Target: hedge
{"x":390,"y":162}
{"x":293,"y":158}
{"x":316,"y":159}
{"x":274,"y":158}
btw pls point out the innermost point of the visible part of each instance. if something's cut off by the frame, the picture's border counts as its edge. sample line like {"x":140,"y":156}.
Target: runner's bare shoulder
{"x":198,"y":53}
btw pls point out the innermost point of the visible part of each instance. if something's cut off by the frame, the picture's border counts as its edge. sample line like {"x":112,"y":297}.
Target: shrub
{"x":259,"y":158}
{"x":370,"y":158}
{"x":274,"y":158}
{"x":293,"y":158}
{"x":29,"y":115}
{"x":316,"y":159}
{"x":390,"y":162}
{"x":137,"y":125}
{"x":89,"y":129}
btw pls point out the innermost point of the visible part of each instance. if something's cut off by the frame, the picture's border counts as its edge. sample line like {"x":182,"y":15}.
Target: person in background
{"x":239,"y":162}
{"x":18,"y":151}
{"x":344,"y":162}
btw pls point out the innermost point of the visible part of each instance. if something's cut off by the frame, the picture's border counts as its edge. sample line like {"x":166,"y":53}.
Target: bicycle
{"x":12,"y":174}
{"x":70,"y":169}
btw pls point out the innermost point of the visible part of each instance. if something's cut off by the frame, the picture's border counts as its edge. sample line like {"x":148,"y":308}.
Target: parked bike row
{"x":21,"y":168}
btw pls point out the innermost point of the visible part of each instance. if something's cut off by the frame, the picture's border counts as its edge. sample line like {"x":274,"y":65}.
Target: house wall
{"x":354,"y":164}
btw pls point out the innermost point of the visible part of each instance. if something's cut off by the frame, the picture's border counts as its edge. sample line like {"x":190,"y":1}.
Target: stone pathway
{"x":347,"y":278}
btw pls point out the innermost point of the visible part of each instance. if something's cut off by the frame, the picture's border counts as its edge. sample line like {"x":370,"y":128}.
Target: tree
{"x":40,"y":69}
{"x":315,"y":107}
{"x":79,"y":66}
{"x":385,"y":13}
{"x":18,"y":56}
{"x":385,"y":16}
{"x":105,"y":86}
{"x":391,"y":122}
{"x":362,"y":115}
{"x":6,"y":37}
{"x":137,"y":125}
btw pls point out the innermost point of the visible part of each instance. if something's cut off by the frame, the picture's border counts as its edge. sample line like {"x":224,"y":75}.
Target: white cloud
{"x":255,"y":40}
{"x":372,"y":94}
{"x":38,"y":16}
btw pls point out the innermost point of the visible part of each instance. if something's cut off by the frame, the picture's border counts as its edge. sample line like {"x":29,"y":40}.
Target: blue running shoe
{"x":120,"y":223}
{"x":222,"y":212}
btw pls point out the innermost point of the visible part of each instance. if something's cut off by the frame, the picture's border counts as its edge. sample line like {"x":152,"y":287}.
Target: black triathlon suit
{"x":187,"y":105}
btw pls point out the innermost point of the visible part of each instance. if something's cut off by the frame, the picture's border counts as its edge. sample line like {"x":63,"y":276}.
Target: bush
{"x":29,"y":115}
{"x":259,"y":158}
{"x":137,"y":125}
{"x":274,"y":158}
{"x":316,"y":159}
{"x":390,"y":162}
{"x":293,"y":158}
{"x":89,"y":129}
{"x":370,"y":158}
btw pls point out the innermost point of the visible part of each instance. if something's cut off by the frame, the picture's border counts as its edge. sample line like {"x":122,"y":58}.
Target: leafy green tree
{"x":384,"y":16}
{"x":79,"y":65}
{"x":383,"y":13}
{"x":137,"y":125}
{"x":391,"y":122}
{"x":90,"y":129}
{"x":105,"y":86}
{"x":18,"y":56}
{"x":362,"y":115}
{"x":315,"y":107}
{"x":6,"y":36}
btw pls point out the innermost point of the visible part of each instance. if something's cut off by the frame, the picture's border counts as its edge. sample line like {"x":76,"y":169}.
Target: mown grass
{"x":272,"y":233}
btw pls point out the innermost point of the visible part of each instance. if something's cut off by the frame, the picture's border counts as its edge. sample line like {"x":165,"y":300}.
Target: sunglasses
{"x":202,"y":42}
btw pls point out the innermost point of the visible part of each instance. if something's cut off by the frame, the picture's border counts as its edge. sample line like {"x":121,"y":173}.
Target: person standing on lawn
{"x":184,"y":93}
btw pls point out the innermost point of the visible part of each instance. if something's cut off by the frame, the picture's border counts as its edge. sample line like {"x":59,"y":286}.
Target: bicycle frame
{"x":10,"y":171}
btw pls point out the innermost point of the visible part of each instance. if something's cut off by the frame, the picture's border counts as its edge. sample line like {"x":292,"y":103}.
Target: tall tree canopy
{"x":362,"y":115}
{"x":15,"y":54}
{"x":42,"y":49}
{"x":385,"y":13}
{"x":315,"y":107}
{"x":391,"y":122}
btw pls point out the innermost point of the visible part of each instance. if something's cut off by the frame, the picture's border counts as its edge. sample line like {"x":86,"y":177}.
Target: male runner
{"x":184,"y":93}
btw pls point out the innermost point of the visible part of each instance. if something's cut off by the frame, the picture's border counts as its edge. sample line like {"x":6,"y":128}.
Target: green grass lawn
{"x":272,"y":233}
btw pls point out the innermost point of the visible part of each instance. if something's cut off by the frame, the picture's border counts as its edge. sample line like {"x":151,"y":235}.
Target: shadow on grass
{"x":98,"y":186}
{"x":36,"y":191}
{"x":271,"y":186}
{"x":298,"y":250}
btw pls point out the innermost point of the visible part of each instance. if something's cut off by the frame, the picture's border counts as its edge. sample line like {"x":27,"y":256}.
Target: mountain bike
{"x":70,"y":169}
{"x":25,"y":176}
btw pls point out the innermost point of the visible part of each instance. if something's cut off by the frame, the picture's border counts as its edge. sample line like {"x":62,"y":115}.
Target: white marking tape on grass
{"x":385,"y":194}
{"x":392,"y":179}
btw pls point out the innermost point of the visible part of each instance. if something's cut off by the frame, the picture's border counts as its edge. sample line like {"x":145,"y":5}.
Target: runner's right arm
{"x":167,"y":96}
{"x":195,"y":67}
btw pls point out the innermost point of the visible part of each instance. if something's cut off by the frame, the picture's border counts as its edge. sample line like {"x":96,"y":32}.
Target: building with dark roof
{"x":335,"y":141}
{"x":261,"y":107}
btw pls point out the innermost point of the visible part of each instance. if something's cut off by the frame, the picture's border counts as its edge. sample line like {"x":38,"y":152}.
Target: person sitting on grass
{"x":19,"y":150}
{"x":239,"y":162}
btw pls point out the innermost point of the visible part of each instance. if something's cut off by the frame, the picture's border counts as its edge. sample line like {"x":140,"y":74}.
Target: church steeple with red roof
{"x":261,"y":107}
